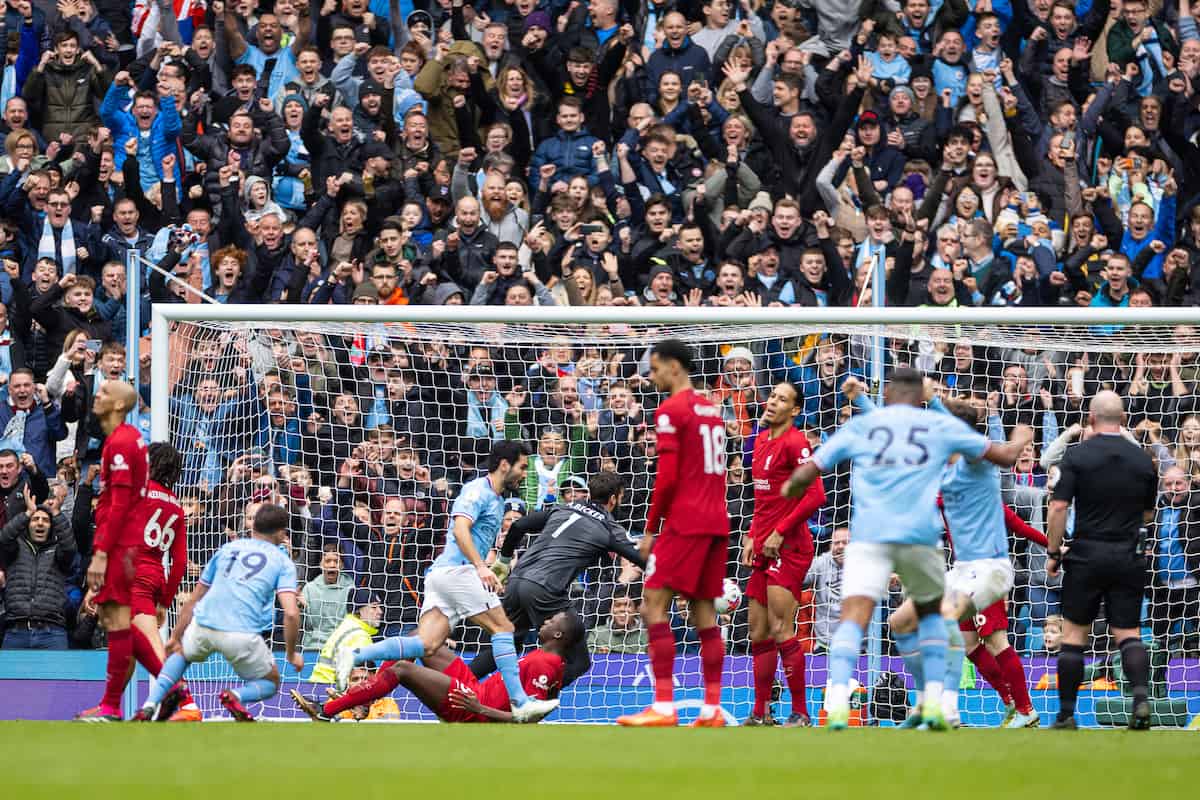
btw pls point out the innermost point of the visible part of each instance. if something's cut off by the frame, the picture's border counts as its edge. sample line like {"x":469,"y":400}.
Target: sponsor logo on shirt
{"x":118,"y":463}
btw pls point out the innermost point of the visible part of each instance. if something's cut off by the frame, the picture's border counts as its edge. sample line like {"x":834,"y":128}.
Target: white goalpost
{"x":364,"y":421}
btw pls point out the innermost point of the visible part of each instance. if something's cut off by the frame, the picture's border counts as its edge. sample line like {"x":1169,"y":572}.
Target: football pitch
{"x":298,"y":761}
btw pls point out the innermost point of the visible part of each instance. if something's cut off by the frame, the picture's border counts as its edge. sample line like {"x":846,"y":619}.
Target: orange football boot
{"x":649,"y":719}
{"x":715,"y":721}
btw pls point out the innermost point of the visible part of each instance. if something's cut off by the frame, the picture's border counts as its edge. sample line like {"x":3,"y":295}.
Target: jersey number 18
{"x":712,"y":440}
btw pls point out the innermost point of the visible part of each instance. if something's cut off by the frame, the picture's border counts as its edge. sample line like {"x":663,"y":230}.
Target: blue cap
{"x":515,"y":504}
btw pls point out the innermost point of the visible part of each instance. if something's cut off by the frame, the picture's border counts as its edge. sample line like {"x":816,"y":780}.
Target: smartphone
{"x":1067,"y":142}
{"x":93,"y":345}
{"x":584,"y":230}
{"x":1077,"y":383}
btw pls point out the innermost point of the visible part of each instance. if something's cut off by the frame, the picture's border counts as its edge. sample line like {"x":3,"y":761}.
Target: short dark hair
{"x":510,"y":451}
{"x":573,"y":630}
{"x":908,"y":378}
{"x":166,"y":464}
{"x":571,"y":102}
{"x":791,"y":80}
{"x":604,"y":485}
{"x":270,"y":520}
{"x":675,"y":350}
{"x":8,"y":452}
{"x":243,"y":69}
{"x":63,"y":36}
{"x":581,"y":55}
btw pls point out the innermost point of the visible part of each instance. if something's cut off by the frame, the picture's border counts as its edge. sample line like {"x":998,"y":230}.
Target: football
{"x":730,"y":599}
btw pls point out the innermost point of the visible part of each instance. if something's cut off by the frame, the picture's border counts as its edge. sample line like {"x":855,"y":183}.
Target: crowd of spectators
{"x":537,"y":152}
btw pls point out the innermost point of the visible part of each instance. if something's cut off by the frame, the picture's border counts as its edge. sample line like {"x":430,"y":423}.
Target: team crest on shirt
{"x":663,"y":424}
{"x":118,"y":462}
{"x":542,"y":682}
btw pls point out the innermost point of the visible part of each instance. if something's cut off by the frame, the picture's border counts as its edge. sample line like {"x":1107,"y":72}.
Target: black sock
{"x":1070,"y":675}
{"x":1136,"y":663}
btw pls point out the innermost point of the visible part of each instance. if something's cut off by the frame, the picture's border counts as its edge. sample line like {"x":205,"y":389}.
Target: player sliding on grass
{"x":688,"y":558}
{"x":233,"y":603}
{"x":779,"y":550}
{"x":446,"y":686}
{"x":898,"y":455}
{"x":460,"y":585}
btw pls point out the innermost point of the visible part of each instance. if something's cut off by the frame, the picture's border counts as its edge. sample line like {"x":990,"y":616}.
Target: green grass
{"x":301,"y":761}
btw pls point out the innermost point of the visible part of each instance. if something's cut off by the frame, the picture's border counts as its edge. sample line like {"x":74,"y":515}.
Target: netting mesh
{"x":365,"y":432}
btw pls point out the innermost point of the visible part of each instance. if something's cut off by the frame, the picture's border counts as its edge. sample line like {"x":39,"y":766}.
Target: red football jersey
{"x":691,"y":427}
{"x":771,"y":466}
{"x":541,"y":673}
{"x":124,"y":464}
{"x":162,"y":524}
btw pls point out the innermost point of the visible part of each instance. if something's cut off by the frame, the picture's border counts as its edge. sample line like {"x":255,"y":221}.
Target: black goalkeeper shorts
{"x":529,"y":604}
{"x":1112,"y":573}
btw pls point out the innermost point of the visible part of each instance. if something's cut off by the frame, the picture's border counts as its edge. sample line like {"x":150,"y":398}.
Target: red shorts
{"x":787,"y":571}
{"x":460,"y":675}
{"x":988,"y":621}
{"x":691,"y":566}
{"x":145,"y":595}
{"x":118,"y":579}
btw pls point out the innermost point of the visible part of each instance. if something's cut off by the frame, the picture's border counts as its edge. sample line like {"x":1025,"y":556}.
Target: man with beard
{"x":460,"y":585}
{"x":274,"y":64}
{"x":239,"y":146}
{"x":501,"y":218}
{"x":467,"y":251}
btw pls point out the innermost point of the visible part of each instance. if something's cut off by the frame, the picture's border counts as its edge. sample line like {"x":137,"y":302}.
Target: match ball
{"x":730,"y":599}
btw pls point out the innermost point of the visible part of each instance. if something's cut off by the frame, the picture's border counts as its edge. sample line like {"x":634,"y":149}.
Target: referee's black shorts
{"x":1114,"y":573}
{"x":529,"y":604}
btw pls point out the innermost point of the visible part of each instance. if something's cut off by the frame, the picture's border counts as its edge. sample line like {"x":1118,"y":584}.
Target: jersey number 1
{"x":160,"y":536}
{"x":712,"y":439}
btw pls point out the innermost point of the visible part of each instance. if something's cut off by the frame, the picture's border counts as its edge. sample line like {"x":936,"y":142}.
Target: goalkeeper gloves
{"x":501,"y":569}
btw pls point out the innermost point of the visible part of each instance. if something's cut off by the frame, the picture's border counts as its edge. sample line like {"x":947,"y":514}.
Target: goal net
{"x":365,"y":430}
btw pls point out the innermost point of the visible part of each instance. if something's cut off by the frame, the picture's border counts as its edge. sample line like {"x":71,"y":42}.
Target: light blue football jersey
{"x":898,"y":454}
{"x":479,"y":503}
{"x":243,"y":579}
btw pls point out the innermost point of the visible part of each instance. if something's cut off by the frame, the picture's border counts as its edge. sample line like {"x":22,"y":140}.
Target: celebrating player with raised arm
{"x":688,"y":558}
{"x":110,"y":575}
{"x":898,"y":455}
{"x":779,"y":550}
{"x":460,"y":585}
{"x":446,"y":685}
{"x":231,"y":606}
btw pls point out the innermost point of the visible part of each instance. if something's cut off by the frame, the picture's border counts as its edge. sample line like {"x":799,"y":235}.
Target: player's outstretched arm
{"x":803,"y":475}
{"x":526,"y":525}
{"x":1005,"y":454}
{"x":466,"y":546}
{"x":291,"y":628}
{"x":185,"y":616}
{"x":1019,"y":527}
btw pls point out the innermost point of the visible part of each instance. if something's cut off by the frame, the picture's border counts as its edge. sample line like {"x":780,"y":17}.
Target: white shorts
{"x":457,"y":592}
{"x":869,"y":568}
{"x":985,"y":581}
{"x":247,"y":653}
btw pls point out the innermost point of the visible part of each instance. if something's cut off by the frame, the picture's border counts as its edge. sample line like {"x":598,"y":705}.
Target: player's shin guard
{"x":712,"y":660}
{"x":1136,"y":663}
{"x":143,"y":651}
{"x":661,"y":649}
{"x":1070,"y":675}
{"x":120,"y":652}
{"x":990,"y":668}
{"x":397,"y":648}
{"x":843,"y":655}
{"x":381,"y":684}
{"x":909,"y":647}
{"x":505,"y":651}
{"x":172,"y":670}
{"x":256,"y":691}
{"x":765,"y":655}
{"x":1014,"y":679}
{"x":955,"y":653}
{"x":933,"y":642}
{"x":791,"y":655}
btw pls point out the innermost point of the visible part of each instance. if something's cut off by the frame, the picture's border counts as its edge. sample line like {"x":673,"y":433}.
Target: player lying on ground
{"x":460,"y":585}
{"x":569,"y":538}
{"x":688,"y":558}
{"x":111,"y":573}
{"x":779,"y":551}
{"x":446,"y":686}
{"x":898,"y":455}
{"x":233,"y":603}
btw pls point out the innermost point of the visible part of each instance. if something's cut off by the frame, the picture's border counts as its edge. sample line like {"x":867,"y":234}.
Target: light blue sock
{"x":956,"y":651}
{"x":909,"y":645}
{"x":254,"y":691}
{"x":933,"y":643}
{"x":843,"y":657}
{"x":172,"y":671}
{"x":397,"y":648}
{"x":505,"y":653}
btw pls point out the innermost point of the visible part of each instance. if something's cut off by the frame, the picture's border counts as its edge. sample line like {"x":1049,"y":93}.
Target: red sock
{"x":1014,"y":673}
{"x":765,"y":655}
{"x":985,"y":665}
{"x":662,"y":661}
{"x":143,"y":651}
{"x":384,"y":682}
{"x":120,"y":653}
{"x":712,"y":660}
{"x":791,"y":653}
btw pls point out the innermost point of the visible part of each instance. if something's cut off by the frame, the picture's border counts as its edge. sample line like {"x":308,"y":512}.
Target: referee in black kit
{"x":571,"y":537}
{"x":1114,"y":487}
